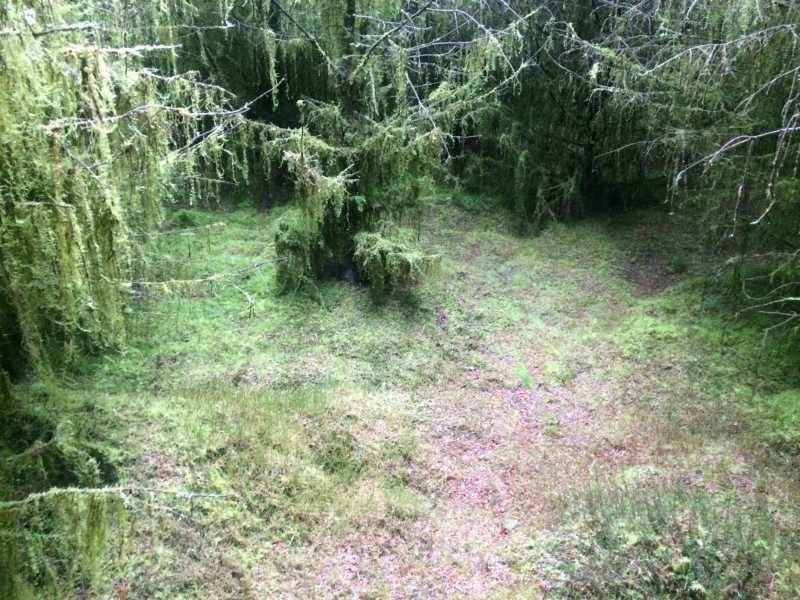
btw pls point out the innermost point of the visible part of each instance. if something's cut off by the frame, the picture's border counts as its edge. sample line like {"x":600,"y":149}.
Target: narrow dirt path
{"x":497,"y":460}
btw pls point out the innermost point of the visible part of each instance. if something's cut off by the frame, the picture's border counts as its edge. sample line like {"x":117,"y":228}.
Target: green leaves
{"x":663,"y":542}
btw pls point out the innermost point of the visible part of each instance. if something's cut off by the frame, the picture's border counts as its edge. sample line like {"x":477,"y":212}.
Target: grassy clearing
{"x":290,"y":465}
{"x":382,"y":450}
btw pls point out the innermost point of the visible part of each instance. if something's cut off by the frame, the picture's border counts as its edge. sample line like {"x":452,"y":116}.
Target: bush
{"x":49,"y":438}
{"x":389,"y":261}
{"x":56,"y":527}
{"x":311,"y":247}
{"x":668,"y":544}
{"x":57,"y":544}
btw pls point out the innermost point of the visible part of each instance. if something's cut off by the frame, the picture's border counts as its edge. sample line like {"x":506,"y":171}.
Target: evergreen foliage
{"x":564,"y":107}
{"x":364,"y":118}
{"x":57,"y":525}
{"x":387,"y":260}
{"x":57,"y":541}
{"x":98,"y":132}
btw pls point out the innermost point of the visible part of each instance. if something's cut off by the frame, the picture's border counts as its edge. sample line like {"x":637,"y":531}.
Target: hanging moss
{"x":316,"y":241}
{"x":86,"y":165}
{"x":57,"y":542}
{"x":294,"y":249}
{"x":57,"y":525}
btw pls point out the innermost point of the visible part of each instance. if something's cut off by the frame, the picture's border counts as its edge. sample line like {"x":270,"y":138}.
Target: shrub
{"x":49,"y":438}
{"x":293,"y":248}
{"x":55,"y":533}
{"x":56,"y":544}
{"x":390,"y":262}
{"x":667,"y":543}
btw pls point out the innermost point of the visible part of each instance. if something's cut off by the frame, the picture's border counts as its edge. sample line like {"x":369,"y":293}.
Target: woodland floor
{"x":426,"y":447}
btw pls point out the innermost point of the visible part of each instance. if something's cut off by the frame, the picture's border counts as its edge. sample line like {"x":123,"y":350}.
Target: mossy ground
{"x":439,"y":444}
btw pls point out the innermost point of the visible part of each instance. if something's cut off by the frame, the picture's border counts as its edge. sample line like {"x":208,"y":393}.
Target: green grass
{"x":269,"y":467}
{"x":294,"y":466}
{"x":291,"y":458}
{"x":746,"y":382}
{"x":217,"y":314}
{"x":304,"y":415}
{"x":776,"y":420}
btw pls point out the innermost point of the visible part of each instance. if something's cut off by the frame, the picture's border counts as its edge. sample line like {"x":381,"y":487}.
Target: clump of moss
{"x":389,"y":261}
{"x":294,"y":245}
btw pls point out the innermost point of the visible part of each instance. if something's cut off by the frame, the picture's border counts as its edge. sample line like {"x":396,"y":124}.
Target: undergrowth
{"x":52,"y":436}
{"x":58,"y":526}
{"x":290,"y":468}
{"x":747,"y":378}
{"x":668,"y":543}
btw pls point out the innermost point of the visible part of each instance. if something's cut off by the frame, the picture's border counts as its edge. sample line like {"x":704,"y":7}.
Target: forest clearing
{"x":399,"y":299}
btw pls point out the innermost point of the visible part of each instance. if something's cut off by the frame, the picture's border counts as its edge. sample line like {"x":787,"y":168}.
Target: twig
{"x":310,"y":37}
{"x":131,"y":490}
{"x":383,"y":37}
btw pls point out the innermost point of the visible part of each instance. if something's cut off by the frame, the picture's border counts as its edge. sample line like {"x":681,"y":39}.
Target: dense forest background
{"x":118,"y":119}
{"x":562,"y":108}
